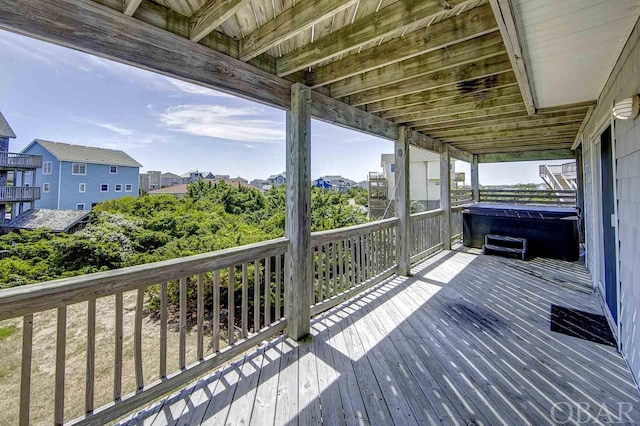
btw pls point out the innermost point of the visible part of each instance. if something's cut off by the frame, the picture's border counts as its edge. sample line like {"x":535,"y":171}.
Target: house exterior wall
{"x":623,"y":82}
{"x":64,"y":187}
{"x":424,"y":174}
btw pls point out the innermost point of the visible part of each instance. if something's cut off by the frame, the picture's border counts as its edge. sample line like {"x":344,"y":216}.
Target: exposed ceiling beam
{"x":559,"y":154}
{"x":515,"y":148}
{"x":211,"y":15}
{"x":385,"y":22}
{"x":453,"y":102}
{"x":447,"y":57}
{"x":504,"y":17}
{"x":459,"y":74}
{"x":551,"y":131}
{"x":482,"y":114}
{"x":289,"y":23}
{"x":129,"y":7}
{"x":445,"y":92}
{"x":447,"y":32}
{"x":498,"y":144}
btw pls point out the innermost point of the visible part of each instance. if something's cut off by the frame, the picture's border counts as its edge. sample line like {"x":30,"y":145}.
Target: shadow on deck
{"x":466,"y":340}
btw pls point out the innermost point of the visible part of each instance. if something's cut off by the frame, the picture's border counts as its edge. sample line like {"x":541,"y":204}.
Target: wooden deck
{"x":466,"y":340}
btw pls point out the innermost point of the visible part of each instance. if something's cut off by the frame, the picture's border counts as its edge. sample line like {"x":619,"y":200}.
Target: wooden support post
{"x":445,"y":197}
{"x":298,"y":213}
{"x":475,"y":179}
{"x":403,"y":200}
{"x":580,"y":189}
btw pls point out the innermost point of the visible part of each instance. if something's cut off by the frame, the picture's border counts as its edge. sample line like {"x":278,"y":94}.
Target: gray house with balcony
{"x":12,"y":167}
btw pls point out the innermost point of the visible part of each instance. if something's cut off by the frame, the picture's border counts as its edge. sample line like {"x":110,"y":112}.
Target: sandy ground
{"x":43,"y":364}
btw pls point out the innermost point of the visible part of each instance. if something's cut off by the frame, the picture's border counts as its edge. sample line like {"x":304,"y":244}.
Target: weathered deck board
{"x":466,"y":340}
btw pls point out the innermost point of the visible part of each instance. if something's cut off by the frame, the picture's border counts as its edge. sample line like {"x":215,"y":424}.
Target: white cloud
{"x":109,"y":126}
{"x":217,"y":121}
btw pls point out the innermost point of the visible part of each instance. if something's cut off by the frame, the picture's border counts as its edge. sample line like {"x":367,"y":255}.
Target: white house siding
{"x":424,"y":172}
{"x":623,"y":82}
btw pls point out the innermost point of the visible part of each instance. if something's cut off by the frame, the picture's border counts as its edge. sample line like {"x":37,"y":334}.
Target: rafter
{"x":289,"y":23}
{"x":211,"y":15}
{"x":387,"y":21}
{"x":504,"y":17}
{"x":524,"y":147}
{"x":510,"y":125}
{"x":482,"y":114}
{"x":448,"y":32}
{"x":559,"y":154}
{"x":551,"y":131}
{"x":447,"y":57}
{"x":445,"y":92}
{"x":129,"y":7}
{"x":459,"y":74}
{"x":474,"y":106}
{"x":477,"y":97}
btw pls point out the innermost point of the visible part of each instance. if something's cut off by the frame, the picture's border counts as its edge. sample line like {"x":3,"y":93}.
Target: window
{"x":118,"y":187}
{"x":128,"y":188}
{"x":46,"y":187}
{"x":80,"y":206}
{"x":82,"y":187}
{"x":392,"y":167}
{"x":46,"y":168}
{"x":104,"y":187}
{"x":113,"y":170}
{"x":79,"y":169}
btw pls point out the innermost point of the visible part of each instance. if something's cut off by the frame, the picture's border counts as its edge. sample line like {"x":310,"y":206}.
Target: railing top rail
{"x":19,"y":301}
{"x":324,"y":237}
{"x":530,"y":191}
{"x":427,"y":214}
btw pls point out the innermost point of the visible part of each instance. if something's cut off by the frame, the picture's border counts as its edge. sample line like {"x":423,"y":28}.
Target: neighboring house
{"x":339,"y":183}
{"x":144,"y":182}
{"x":191,"y":176}
{"x":208,"y":175}
{"x":261,"y":184}
{"x":235,"y":182}
{"x":155,"y":179}
{"x":22,"y":168}
{"x":364,"y":184}
{"x":277,"y":180}
{"x":321,"y":183}
{"x":169,"y":179}
{"x":76,"y":177}
{"x":179,"y":191}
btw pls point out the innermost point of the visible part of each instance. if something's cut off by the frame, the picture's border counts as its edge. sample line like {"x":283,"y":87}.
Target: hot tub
{"x":550,"y":231}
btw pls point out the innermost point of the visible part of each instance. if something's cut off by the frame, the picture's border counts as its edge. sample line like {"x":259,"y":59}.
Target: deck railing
{"x":456,"y":223}
{"x":426,"y":235}
{"x":346,"y":260}
{"x":521,"y":196}
{"x":232,"y":299}
{"x":19,"y":193}
{"x":20,"y":161}
{"x":170,"y":282}
{"x":461,"y":196}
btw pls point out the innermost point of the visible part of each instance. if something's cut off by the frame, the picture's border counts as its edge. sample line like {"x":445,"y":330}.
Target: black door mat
{"x":581,"y":324}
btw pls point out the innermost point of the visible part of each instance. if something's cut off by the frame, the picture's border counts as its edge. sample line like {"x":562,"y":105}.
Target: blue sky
{"x":55,"y":93}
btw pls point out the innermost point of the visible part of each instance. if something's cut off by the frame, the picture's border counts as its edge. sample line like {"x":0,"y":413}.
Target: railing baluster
{"x":25,"y":371}
{"x":339,"y":261}
{"x":345,"y":271}
{"x":334,"y":269}
{"x":278,"y":287}
{"x":352,"y":262}
{"x":230,"y":305}
{"x":327,"y":276}
{"x":200,"y":316}
{"x":215,"y":333}
{"x":91,"y":355}
{"x":319,"y":263}
{"x":137,"y":342}
{"x":267,"y":291}
{"x":117,"y":364}
{"x":163,"y":331}
{"x":244,"y":313}
{"x":182,"y":353}
{"x":61,"y":342}
{"x":256,"y":296}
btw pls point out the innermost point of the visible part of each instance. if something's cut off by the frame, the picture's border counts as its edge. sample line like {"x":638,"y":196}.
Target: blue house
{"x":76,"y":177}
{"x":321,"y":183}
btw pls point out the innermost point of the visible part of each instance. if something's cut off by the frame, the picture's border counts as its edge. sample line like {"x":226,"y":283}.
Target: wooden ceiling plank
{"x":486,"y":105}
{"x":547,"y":154}
{"x":129,"y":7}
{"x":211,"y":15}
{"x":514,"y":119}
{"x":482,"y":114}
{"x":543,"y":132}
{"x":513,"y":125}
{"x":289,"y":23}
{"x":448,"y":57}
{"x":446,"y":92}
{"x":452,"y":102}
{"x":450,"y":32}
{"x":523,"y":148}
{"x":563,"y":138}
{"x":459,"y":74}
{"x":504,"y":16}
{"x":386,"y":21}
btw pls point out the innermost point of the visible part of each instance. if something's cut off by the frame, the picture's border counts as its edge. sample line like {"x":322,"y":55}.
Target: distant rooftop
{"x":56,"y":220}
{"x":5,"y":130}
{"x":86,"y":154}
{"x":171,"y":190}
{"x":170,"y":175}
